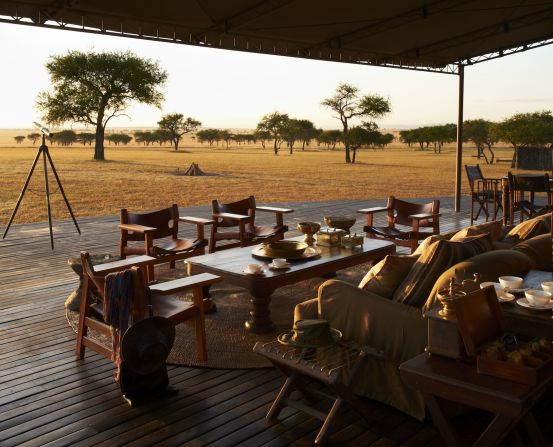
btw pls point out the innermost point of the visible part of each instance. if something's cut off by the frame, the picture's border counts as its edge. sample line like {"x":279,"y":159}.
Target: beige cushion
{"x":384,"y":278}
{"x":489,"y":265}
{"x":474,"y":245}
{"x":493,"y":227}
{"x":441,"y":255}
{"x":431,"y":239}
{"x":538,"y":250}
{"x":529,"y":228}
{"x":417,"y":285}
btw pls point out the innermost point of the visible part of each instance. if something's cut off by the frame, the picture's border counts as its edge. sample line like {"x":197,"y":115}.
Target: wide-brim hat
{"x":310,"y":334}
{"x":147,"y":343}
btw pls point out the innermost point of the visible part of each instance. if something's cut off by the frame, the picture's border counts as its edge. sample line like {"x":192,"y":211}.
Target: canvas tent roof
{"x":408,"y":33}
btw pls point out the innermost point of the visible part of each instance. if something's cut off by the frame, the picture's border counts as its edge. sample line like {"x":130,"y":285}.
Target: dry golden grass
{"x":142,"y":178}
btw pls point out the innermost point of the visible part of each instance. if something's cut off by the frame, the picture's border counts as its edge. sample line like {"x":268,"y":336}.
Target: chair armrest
{"x":376,"y":209}
{"x":182,"y":284}
{"x":399,"y":330}
{"x":200,"y":225}
{"x":238,"y":217}
{"x":424,"y":216}
{"x":271,"y":209}
{"x":123,"y":264}
{"x":137,"y":228}
{"x":196,"y":220}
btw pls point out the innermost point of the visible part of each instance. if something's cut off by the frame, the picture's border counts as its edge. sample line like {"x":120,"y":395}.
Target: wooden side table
{"x":441,"y":379}
{"x":335,"y":366}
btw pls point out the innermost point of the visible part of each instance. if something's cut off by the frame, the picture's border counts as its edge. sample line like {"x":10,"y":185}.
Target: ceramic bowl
{"x":499,"y":289}
{"x":341,"y":222}
{"x":511,"y":282}
{"x":284,"y":249}
{"x":538,"y":297}
{"x":547,"y":286}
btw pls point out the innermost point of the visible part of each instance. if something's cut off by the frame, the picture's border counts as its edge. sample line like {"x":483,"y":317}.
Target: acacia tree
{"x":86,"y":138}
{"x":33,"y":137}
{"x":274,"y":123}
{"x":19,"y":139}
{"x":483,"y":134}
{"x":93,"y":88}
{"x":177,"y":125}
{"x":347,"y":105}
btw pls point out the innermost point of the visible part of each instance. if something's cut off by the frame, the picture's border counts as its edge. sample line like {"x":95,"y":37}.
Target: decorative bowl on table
{"x":284,"y":249}
{"x":309,"y":229}
{"x":340,"y":222}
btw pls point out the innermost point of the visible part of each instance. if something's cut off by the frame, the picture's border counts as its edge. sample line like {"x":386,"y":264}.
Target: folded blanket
{"x":118,"y":291}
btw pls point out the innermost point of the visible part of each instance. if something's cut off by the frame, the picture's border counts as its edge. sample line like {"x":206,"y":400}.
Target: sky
{"x":228,"y":89}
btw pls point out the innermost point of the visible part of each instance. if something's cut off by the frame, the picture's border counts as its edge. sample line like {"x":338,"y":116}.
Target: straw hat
{"x":310,"y":334}
{"x":146,"y":344}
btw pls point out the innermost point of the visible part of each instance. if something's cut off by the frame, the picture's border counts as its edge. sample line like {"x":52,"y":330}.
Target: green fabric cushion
{"x":490,"y":265}
{"x":384,"y":278}
{"x":538,"y":249}
{"x":493,"y":227}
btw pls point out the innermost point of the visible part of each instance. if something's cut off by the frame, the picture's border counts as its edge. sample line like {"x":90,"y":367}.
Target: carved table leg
{"x":260,"y":321}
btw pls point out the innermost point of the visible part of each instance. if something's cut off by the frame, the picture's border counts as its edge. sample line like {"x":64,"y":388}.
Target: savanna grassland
{"x":146,"y":177}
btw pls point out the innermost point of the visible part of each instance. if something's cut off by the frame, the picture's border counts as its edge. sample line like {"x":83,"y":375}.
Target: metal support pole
{"x":459,"y":152}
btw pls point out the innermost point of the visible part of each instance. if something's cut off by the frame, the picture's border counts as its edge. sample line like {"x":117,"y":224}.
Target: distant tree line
{"x":520,"y":130}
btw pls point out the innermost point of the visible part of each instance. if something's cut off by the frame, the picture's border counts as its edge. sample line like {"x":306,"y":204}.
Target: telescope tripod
{"x":43,"y":150}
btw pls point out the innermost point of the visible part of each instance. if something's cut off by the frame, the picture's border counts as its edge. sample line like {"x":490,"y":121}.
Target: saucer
{"x":520,"y":290}
{"x":524,"y":303}
{"x":284,"y":267}
{"x":260,"y":273}
{"x":506,"y":297}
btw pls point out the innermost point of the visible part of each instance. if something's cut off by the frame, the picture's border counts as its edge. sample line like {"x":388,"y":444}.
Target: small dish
{"x":538,"y":297}
{"x":521,"y":290}
{"x":511,"y":282}
{"x":506,"y":297}
{"x":283,"y":267}
{"x":547,"y":286}
{"x":249,"y":272}
{"x":524,"y":303}
{"x":499,"y":289}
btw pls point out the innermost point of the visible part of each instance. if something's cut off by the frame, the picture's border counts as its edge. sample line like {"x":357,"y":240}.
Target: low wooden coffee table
{"x":230,"y":265}
{"x":441,"y":379}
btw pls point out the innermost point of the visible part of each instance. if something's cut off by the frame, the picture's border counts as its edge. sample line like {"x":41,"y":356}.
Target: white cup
{"x":279,"y":262}
{"x":253,"y":268}
{"x":547,"y":286}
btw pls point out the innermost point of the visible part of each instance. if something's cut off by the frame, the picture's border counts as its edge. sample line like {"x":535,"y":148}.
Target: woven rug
{"x":229,"y":344}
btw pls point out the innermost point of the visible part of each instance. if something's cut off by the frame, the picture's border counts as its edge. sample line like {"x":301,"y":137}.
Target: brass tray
{"x":284,"y":248}
{"x":309,"y":253}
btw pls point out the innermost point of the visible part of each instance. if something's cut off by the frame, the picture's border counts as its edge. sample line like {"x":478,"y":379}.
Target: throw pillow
{"x":417,"y":285}
{"x":493,"y":227}
{"x":474,"y":245}
{"x":538,"y":250}
{"x":385,"y":276}
{"x":529,"y":228}
{"x":431,"y":239}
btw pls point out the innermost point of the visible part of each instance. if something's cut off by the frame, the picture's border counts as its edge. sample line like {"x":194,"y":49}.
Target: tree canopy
{"x":274,"y":124}
{"x":177,"y":125}
{"x":92,"y":88}
{"x":347,"y":104}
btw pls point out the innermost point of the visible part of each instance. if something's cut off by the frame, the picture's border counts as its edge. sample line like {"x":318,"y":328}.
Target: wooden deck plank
{"x":47,"y":397}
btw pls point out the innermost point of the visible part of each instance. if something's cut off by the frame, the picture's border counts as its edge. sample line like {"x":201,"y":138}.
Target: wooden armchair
{"x":239,"y":217}
{"x":411,"y":218}
{"x":519,"y":186}
{"x":156,"y":301}
{"x":162,"y":224}
{"x":484,"y":192}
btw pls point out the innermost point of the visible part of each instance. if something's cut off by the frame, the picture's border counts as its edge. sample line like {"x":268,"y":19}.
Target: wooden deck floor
{"x":49,"y":398}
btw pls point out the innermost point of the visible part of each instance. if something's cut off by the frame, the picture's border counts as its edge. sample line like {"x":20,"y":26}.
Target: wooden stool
{"x":335,"y":366}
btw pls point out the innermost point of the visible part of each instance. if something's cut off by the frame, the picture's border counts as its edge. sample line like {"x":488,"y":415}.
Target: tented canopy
{"x":435,"y":35}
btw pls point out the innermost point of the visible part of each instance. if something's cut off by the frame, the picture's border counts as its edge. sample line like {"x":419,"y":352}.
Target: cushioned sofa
{"x":386,"y":309}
